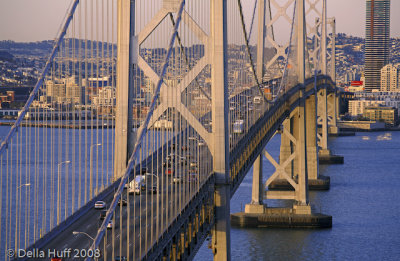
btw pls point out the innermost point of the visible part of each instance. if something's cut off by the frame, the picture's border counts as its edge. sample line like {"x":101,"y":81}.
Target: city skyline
{"x":26,"y":24}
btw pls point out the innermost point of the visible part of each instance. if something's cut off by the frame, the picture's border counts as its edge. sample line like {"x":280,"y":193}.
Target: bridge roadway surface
{"x":90,"y":222}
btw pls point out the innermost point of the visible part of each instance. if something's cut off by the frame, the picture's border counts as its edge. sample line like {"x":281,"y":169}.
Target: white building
{"x":105,"y":97}
{"x":390,"y":78}
{"x":356,"y":107}
{"x":364,"y":99}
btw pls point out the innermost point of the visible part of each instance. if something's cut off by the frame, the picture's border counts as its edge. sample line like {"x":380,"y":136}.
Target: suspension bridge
{"x":148,"y":115}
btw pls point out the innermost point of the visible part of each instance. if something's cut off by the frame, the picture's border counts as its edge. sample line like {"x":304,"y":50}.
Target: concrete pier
{"x":326,"y":158}
{"x":322,"y":183}
{"x":281,"y":218}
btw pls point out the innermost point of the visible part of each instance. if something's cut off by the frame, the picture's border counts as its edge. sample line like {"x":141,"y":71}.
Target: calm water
{"x":364,"y":201}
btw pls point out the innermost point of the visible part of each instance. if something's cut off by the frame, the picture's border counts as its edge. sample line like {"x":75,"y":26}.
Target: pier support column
{"x":333,"y":128}
{"x":300,"y":128}
{"x":337,"y":107}
{"x":285,"y":169}
{"x":315,"y":180}
{"x":312,"y":150}
{"x":287,"y":147}
{"x":299,"y":120}
{"x":294,"y":167}
{"x":323,"y":121}
{"x":257,"y":196}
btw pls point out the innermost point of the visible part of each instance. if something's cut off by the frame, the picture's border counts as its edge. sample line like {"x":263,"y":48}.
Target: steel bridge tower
{"x":299,"y":152}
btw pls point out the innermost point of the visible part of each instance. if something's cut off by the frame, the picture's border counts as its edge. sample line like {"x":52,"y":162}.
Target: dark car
{"x":124,"y":202}
{"x":167,"y":164}
{"x":103,"y":214}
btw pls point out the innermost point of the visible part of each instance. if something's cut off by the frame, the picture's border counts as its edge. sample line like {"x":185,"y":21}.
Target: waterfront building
{"x":389,"y":115}
{"x":356,"y":107}
{"x":377,"y":41}
{"x":360,"y":100}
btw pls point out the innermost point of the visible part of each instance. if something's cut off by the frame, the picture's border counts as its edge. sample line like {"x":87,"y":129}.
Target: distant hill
{"x":7,"y":45}
{"x":6,"y":56}
{"x":42,"y":48}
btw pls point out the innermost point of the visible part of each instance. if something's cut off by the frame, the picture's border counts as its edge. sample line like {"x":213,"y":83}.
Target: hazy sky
{"x":33,"y":20}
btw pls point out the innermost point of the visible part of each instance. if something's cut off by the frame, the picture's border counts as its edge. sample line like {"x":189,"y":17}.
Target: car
{"x":124,"y":202}
{"x":193,"y":164}
{"x":153,"y":189}
{"x":177,"y":179}
{"x":169,"y":171}
{"x":110,"y":224}
{"x":167,"y":164}
{"x":201,"y":143}
{"x":103,"y":214}
{"x":99,"y":205}
{"x":120,"y":258}
{"x":257,"y":100}
{"x":183,"y":160}
{"x":170,"y":157}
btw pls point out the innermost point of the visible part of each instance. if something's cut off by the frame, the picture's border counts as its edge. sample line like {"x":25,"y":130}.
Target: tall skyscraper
{"x":377,"y":41}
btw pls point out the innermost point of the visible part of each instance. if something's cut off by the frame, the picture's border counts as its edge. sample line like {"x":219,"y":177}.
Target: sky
{"x":36,"y":20}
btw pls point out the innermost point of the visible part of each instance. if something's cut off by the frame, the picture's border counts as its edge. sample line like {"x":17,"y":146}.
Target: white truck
{"x":143,"y":182}
{"x":137,"y":185}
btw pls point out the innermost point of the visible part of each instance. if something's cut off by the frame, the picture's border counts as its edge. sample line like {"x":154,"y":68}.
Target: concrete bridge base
{"x":325,"y":158}
{"x":333,"y":130}
{"x":254,"y":209}
{"x":322,"y":183}
{"x":282,"y":218}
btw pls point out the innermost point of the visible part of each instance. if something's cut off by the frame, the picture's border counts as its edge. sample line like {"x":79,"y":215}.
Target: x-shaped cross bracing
{"x":280,"y":168}
{"x":166,"y":101}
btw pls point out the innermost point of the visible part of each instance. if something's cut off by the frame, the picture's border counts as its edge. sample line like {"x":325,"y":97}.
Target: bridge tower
{"x":219,"y":91}
{"x":333,"y":98}
{"x":294,"y":138}
{"x":257,"y":196}
{"x":327,"y":102}
{"x":124,"y":134}
{"x":218,"y":139}
{"x":323,"y":93}
{"x":298,"y":160}
{"x":297,"y":153}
